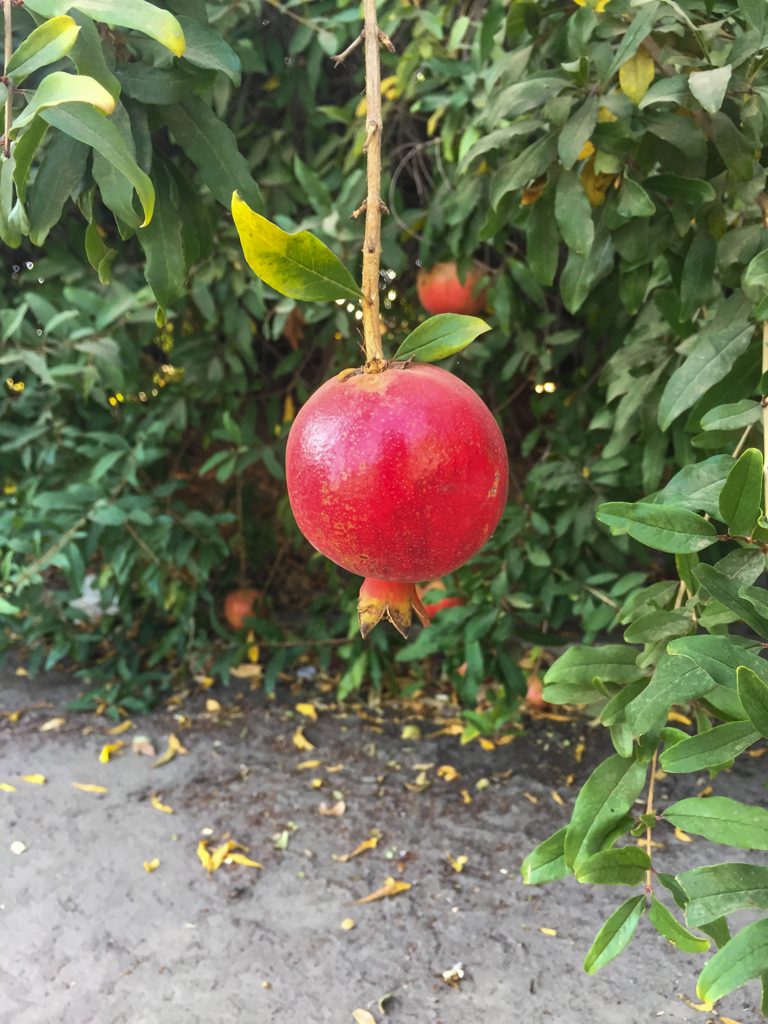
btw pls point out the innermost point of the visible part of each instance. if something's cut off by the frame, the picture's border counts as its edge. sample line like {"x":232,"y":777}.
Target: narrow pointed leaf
{"x":441,"y":336}
{"x":659,"y":526}
{"x":48,"y":43}
{"x":718,"y":889}
{"x":742,"y":493}
{"x":722,"y":820}
{"x":753,"y":694}
{"x":615,"y":934}
{"x":744,"y":958}
{"x":61,"y":88}
{"x":136,"y":14}
{"x":709,"y":749}
{"x":625,"y":866}
{"x":604,"y":800}
{"x":546,"y":863}
{"x":665,"y":923}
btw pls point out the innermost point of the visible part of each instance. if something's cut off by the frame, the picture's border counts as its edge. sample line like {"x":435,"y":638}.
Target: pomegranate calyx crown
{"x":394,"y":600}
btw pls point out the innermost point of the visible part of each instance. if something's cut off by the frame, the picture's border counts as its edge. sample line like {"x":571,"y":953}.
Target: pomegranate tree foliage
{"x":605,"y":160}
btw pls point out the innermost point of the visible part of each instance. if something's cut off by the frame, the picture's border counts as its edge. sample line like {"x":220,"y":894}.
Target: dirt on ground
{"x":89,"y":935}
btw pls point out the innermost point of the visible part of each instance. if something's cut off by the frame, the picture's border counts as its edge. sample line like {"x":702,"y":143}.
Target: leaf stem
{"x":372,"y":241}
{"x":8,"y":48}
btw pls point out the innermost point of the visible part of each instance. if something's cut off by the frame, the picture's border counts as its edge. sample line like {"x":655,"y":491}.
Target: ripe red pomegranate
{"x":441,"y":291}
{"x":398,"y":476}
{"x":239,"y":604}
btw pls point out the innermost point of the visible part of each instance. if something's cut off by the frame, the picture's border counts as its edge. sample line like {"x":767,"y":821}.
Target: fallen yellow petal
{"x":253,"y":653}
{"x":758,"y":753}
{"x":175,"y":745}
{"x":332,"y":812}
{"x":21,"y":671}
{"x":309,"y":764}
{"x":123,"y":727}
{"x":89,"y":787}
{"x":240,"y":858}
{"x":246,"y":671}
{"x":457,"y":863}
{"x":52,"y":723}
{"x":155,"y":801}
{"x":548,"y":931}
{"x":308,"y":710}
{"x":204,"y":855}
{"x":218,"y":855}
{"x":579,"y":752}
{"x":390,"y":888}
{"x":728,"y":1020}
{"x":368,"y":844}
{"x":334,"y":768}
{"x":531,"y":797}
{"x":7,"y":787}
{"x":410,"y":732}
{"x":701,"y":1007}
{"x":502,"y":741}
{"x":682,"y":836}
{"x":448,"y":773}
{"x":454,"y":728}
{"x":467,"y":797}
{"x":316,"y":783}
{"x":151,"y":865}
{"x":347,"y":924}
{"x":557,"y":798}
{"x":486,"y":744}
{"x":37,"y":780}
{"x":108,"y":749}
{"x":363,"y":1017}
{"x":300,"y":741}
{"x":212,"y":705}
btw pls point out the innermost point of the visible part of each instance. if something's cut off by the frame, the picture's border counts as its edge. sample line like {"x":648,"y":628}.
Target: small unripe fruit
{"x":441,"y":291}
{"x":239,"y":605}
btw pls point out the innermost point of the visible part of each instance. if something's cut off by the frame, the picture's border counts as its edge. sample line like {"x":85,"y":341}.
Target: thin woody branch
{"x":372,"y":242}
{"x":8,"y":50}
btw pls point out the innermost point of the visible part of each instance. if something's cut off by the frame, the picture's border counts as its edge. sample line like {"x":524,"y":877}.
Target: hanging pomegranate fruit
{"x":398,"y":476}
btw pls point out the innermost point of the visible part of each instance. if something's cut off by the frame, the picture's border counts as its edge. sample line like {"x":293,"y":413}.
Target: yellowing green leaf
{"x":60,"y":87}
{"x":138,"y":14}
{"x":636,"y":75}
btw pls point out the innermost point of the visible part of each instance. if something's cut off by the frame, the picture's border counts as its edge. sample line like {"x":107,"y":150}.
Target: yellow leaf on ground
{"x":300,"y":741}
{"x":363,"y":1017}
{"x":579,"y":752}
{"x":308,"y":710}
{"x":548,"y":931}
{"x":52,"y":723}
{"x":701,"y":1007}
{"x":175,"y":744}
{"x":347,"y":924}
{"x":218,"y":855}
{"x":155,"y":801}
{"x":123,"y":727}
{"x":89,"y":787}
{"x":390,"y":888}
{"x":675,"y":716}
{"x":531,"y":797}
{"x":368,"y":844}
{"x":204,"y":855}
{"x":636,"y":75}
{"x":410,"y":732}
{"x":485,"y":743}
{"x":212,"y":705}
{"x":245,"y":671}
{"x":457,"y":863}
{"x":682,"y":836}
{"x":240,"y":858}
{"x":316,"y":783}
{"x":332,"y":812}
{"x":309,"y":764}
{"x":557,"y":798}
{"x":109,"y":749}
{"x":204,"y":682}
{"x":502,"y":741}
{"x":334,"y":768}
{"x":7,"y":787}
{"x":454,"y":728}
{"x":448,"y":773}
{"x":705,"y":792}
{"x":253,"y":653}
{"x":728,"y":1020}
{"x":467,"y":797}
{"x":164,"y":758}
{"x":37,"y":780}
{"x":151,"y":865}
{"x":758,"y":753}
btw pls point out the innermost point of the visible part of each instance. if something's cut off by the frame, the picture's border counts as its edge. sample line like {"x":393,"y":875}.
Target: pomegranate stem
{"x":372,"y":241}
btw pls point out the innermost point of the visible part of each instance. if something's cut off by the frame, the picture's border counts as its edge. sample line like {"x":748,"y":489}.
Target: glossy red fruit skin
{"x":239,"y":604}
{"x":400,"y":475}
{"x":446,"y":602}
{"x":440,"y":290}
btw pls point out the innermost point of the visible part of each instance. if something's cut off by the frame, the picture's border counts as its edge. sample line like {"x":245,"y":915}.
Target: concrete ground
{"x":88,"y":935}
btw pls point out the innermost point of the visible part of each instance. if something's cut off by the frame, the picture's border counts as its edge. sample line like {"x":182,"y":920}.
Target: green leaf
{"x":719,"y":889}
{"x":299,"y":265}
{"x":441,"y":336}
{"x":542,"y":240}
{"x":753,"y":694}
{"x":497,"y":139}
{"x":6,"y":608}
{"x":614,"y":663}
{"x":665,"y":923}
{"x":634,"y":201}
{"x":87,"y":125}
{"x":708,"y":362}
{"x":697,"y":487}
{"x":580,"y":275}
{"x":615,"y":934}
{"x":24,"y":152}
{"x":212,"y":147}
{"x":574,"y":214}
{"x":604,"y":799}
{"x":663,"y":527}
{"x":719,"y":657}
{"x":576,"y":131}
{"x":658,"y":625}
{"x":88,"y":56}
{"x":115,"y":188}
{"x":157,"y":86}
{"x":59,"y":176}
{"x":744,"y":958}
{"x":709,"y":87}
{"x":161,"y":241}
{"x":676,"y":680}
{"x":756,"y":274}
{"x":207,"y":48}
{"x":721,"y":820}
{"x":614,"y":710}
{"x":742,"y":493}
{"x":136,"y":14}
{"x":100,"y":256}
{"x":698,"y":271}
{"x":44,"y":45}
{"x":732,"y":416}
{"x":531,"y":163}
{"x":736,"y":151}
{"x":61,"y":88}
{"x":626,"y":866}
{"x":709,"y":749}
{"x":728,"y":592}
{"x":638,"y":29}
{"x":686,"y":190}
{"x":313,"y":185}
{"x":546,"y":862}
